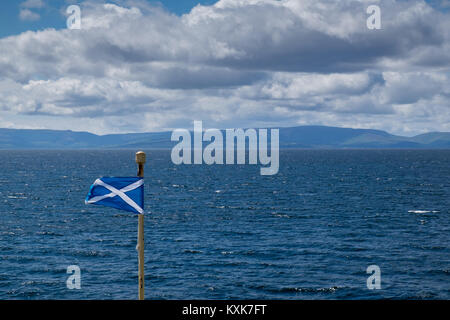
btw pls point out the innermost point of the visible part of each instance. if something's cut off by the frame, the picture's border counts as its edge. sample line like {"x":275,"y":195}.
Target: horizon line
{"x":244,"y":128}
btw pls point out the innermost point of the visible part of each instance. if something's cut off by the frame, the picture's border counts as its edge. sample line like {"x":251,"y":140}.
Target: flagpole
{"x":140,"y":160}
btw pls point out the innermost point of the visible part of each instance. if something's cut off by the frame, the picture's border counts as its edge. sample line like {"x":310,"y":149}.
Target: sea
{"x":225,"y":231}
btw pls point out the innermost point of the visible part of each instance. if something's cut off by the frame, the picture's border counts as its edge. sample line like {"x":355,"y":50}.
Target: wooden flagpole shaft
{"x":140,"y":160}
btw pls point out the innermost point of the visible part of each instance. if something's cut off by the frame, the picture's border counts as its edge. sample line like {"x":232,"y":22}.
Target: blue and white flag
{"x":120,"y":193}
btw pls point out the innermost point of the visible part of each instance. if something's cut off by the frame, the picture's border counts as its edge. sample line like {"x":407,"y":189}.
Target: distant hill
{"x":295,"y":137}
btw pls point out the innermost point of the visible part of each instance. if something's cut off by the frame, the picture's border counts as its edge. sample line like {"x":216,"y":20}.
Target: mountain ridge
{"x":310,"y":137}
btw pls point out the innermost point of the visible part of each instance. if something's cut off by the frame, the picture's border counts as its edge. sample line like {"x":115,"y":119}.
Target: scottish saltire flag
{"x":120,"y":193}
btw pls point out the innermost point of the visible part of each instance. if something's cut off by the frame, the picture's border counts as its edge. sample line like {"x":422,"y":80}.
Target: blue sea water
{"x":226,"y":232}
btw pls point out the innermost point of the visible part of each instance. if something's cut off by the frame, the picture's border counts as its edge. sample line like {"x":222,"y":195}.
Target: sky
{"x":141,"y":66}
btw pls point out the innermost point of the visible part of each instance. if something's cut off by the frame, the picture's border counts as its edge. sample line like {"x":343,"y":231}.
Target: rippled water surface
{"x":225,"y":232}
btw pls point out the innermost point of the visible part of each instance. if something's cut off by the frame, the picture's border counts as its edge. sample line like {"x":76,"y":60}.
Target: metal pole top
{"x":140,"y":157}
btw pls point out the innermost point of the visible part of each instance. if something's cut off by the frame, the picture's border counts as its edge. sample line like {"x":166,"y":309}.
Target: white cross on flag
{"x":120,"y":193}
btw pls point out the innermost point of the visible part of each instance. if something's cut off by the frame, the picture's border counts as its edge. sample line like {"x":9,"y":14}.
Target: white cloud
{"x":28,"y":15}
{"x":236,"y":63}
{"x":32,"y":4}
